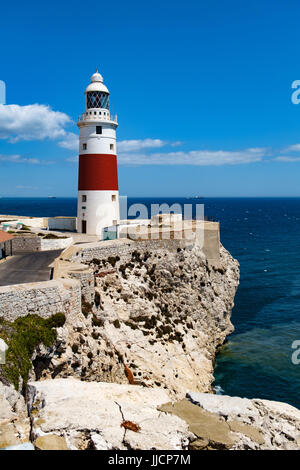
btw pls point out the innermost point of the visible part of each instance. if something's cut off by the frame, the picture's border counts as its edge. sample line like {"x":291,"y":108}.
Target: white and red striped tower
{"x":98,"y":195}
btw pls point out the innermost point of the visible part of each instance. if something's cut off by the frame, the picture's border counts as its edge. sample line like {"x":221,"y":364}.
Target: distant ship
{"x":51,"y":197}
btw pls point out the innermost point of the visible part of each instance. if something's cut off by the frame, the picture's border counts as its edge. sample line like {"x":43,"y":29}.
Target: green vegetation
{"x":25,"y":227}
{"x":86,"y":307}
{"x":97,"y":299}
{"x":116,"y":323}
{"x":96,"y":261}
{"x":52,"y":236}
{"x":97,"y":321}
{"x":113,"y":260}
{"x":22,"y":337}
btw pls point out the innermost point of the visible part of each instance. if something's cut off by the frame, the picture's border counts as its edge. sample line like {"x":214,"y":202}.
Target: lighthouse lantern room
{"x":98,"y":195}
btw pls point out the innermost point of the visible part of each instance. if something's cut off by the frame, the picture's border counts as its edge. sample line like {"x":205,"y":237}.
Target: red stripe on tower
{"x":98,"y":172}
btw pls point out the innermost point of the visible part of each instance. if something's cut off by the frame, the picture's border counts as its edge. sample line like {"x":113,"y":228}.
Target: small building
{"x":5,"y":244}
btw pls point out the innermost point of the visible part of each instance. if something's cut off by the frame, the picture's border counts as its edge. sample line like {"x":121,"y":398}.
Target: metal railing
{"x":98,"y":117}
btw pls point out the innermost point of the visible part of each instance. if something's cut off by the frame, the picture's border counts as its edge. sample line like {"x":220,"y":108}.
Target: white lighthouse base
{"x":96,"y":211}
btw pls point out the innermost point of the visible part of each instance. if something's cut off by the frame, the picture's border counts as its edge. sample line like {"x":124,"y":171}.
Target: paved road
{"x":27,"y":267}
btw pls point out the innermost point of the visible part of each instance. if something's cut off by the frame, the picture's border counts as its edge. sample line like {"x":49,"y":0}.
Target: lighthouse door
{"x":83,"y":226}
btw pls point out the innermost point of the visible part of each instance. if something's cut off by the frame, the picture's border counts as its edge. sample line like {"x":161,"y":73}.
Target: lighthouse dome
{"x":96,"y":77}
{"x":96,"y":83}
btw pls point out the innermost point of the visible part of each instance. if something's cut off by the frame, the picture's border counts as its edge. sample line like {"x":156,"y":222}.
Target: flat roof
{"x":4,"y":237}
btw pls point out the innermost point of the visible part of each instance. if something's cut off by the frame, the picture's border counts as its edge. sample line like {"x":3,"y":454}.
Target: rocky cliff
{"x":157,"y":319}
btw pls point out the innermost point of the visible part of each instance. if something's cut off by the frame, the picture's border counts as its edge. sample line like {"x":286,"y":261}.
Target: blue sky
{"x":202,"y":90}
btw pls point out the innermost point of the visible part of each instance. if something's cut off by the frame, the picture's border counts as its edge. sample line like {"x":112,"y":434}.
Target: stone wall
{"x":25,"y":244}
{"x":207,"y":238}
{"x":87,"y":283}
{"x":5,"y":249}
{"x":123,"y":248}
{"x":100,"y":250}
{"x":42,"y":298}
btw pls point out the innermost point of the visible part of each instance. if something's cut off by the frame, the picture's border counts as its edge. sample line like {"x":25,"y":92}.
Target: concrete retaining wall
{"x":55,"y":244}
{"x":37,"y":222}
{"x":42,"y":298}
{"x":62,"y":223}
{"x":40,"y":244}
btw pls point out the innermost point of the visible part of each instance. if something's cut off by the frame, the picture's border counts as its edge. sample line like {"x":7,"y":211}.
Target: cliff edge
{"x":157,"y":319}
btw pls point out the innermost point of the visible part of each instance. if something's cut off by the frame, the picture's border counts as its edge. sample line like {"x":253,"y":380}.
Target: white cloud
{"x":292,"y":148}
{"x":287,"y":159}
{"x":20,"y":159}
{"x":32,"y":122}
{"x":195,"y":157}
{"x":134,"y":145}
{"x":70,"y":141}
{"x":72,"y":159}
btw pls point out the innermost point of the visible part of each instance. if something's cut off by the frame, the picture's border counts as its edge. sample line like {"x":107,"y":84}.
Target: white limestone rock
{"x":90,"y":415}
{"x":223,"y":405}
{"x":14,"y":422}
{"x":259,"y":424}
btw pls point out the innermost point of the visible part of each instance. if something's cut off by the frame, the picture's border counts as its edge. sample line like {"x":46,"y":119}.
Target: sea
{"x":264,"y":235}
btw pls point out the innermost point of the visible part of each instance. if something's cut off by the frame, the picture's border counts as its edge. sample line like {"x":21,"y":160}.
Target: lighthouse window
{"x":98,"y":129}
{"x":114,"y":198}
{"x":111,"y":146}
{"x":84,"y":198}
{"x":97,"y":99}
{"x":84,"y":146}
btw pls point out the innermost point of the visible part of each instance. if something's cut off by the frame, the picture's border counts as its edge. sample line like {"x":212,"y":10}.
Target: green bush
{"x":22,"y":337}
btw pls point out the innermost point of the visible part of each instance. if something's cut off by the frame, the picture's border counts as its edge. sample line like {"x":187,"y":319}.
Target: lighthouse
{"x":98,"y":195}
